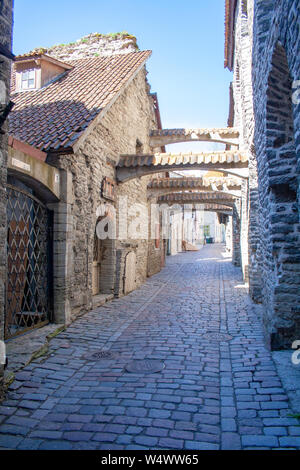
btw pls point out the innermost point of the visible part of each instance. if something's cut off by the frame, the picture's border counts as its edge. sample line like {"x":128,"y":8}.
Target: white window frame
{"x":28,"y":83}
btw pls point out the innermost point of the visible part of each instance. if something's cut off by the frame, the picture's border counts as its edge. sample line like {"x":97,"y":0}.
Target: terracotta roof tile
{"x":164,"y":159}
{"x":191,"y":183}
{"x":56,"y":115}
{"x":225,"y":199}
{"x":185,"y":132}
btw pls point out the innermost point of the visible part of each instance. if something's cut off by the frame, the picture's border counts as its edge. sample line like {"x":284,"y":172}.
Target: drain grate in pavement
{"x":95,"y":356}
{"x":215,"y":336}
{"x":145,"y":366}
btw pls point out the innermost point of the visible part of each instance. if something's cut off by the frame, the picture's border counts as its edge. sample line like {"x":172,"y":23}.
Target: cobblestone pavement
{"x":219,"y":388}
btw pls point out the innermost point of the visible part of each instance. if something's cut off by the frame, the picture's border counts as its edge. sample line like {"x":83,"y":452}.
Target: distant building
{"x":193,"y":224}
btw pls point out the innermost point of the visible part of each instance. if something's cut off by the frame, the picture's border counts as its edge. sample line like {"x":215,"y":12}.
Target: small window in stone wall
{"x":284,"y":193}
{"x":108,"y":189}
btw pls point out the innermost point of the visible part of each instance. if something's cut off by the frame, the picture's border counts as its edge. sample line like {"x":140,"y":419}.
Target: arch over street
{"x":200,"y":183}
{"x":134,"y":166}
{"x":227,"y":135}
{"x":163,"y":186}
{"x":222,"y":199}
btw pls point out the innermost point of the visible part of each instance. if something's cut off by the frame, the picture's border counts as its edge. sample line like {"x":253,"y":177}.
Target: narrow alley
{"x":214,"y":384}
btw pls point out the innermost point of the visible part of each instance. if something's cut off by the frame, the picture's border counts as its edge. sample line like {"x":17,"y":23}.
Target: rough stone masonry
{"x":5,"y":65}
{"x":266,"y":66}
{"x":127,"y":123}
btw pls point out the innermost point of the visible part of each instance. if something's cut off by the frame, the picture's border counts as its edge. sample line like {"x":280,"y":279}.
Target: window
{"x":28,"y":79}
{"x":108,"y":189}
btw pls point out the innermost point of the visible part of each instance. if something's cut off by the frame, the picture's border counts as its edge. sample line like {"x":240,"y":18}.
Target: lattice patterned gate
{"x":29,"y":262}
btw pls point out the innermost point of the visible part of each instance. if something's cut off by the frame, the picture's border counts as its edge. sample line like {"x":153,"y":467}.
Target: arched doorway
{"x":96,"y":270}
{"x":130,"y":272}
{"x":104,"y":265}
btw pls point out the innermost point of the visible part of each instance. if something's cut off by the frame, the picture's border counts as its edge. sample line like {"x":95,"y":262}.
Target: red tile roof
{"x":226,"y":131}
{"x":224,"y":199}
{"x":55,"y":116}
{"x":36,"y":56}
{"x":193,"y":183}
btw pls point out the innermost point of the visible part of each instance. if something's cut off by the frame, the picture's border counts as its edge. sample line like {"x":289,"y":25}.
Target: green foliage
{"x":113,"y":35}
{"x":297,"y":416}
{"x":56,"y":332}
{"x":8,"y":380}
{"x":39,"y":353}
{"x":122,"y":34}
{"x":40,"y":50}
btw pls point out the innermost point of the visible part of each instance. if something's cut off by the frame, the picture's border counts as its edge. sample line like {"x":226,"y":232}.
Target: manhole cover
{"x":95,"y":356}
{"x":214,"y":336}
{"x":145,"y":366}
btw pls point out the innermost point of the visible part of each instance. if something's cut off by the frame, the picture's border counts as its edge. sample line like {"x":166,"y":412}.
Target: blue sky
{"x":186,"y":37}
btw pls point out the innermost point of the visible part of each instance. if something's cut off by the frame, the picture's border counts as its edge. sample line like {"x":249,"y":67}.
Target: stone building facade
{"x":128,"y":120}
{"x":262,"y":49}
{"x":6,"y":20}
{"x":81,"y":115}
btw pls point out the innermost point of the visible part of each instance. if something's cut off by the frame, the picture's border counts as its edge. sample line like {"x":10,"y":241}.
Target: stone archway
{"x":135,"y":166}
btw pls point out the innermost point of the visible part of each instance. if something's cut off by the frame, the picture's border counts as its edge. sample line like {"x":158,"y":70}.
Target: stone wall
{"x":157,"y":245}
{"x":236,"y":233}
{"x":228,"y":235}
{"x":244,"y":228}
{"x":276,"y":65}
{"x":243,"y":118}
{"x":127,"y":122}
{"x":93,"y":45}
{"x":266,"y":65}
{"x":5,"y":65}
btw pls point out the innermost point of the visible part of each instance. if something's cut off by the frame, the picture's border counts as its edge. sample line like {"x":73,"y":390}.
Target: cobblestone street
{"x":219,"y":388}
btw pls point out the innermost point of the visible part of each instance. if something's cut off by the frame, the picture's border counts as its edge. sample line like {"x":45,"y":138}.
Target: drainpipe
{"x":182,"y":226}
